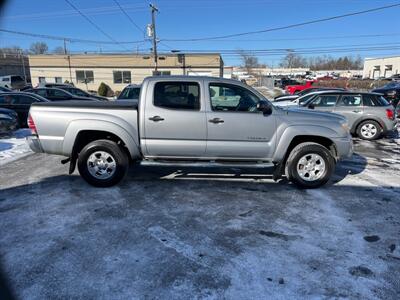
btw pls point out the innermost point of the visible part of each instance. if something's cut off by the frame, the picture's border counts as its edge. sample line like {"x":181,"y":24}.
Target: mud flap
{"x":72,"y":164}
{"x":278,"y":171}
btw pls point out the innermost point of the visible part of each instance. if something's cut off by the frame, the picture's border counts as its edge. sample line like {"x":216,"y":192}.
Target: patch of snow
{"x":14,"y":147}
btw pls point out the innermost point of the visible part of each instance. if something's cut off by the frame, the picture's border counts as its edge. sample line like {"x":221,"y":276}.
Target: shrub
{"x":104,"y":90}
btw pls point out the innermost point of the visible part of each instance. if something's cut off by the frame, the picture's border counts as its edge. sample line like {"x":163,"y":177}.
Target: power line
{"x":305,"y":38}
{"x":68,"y":39}
{"x":287,"y":26}
{"x":94,"y":24}
{"x":129,"y":18}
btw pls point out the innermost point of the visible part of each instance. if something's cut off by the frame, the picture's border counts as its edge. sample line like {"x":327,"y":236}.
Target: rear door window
{"x":26,"y":100}
{"x":374,"y":100}
{"x":40,"y":92}
{"x":59,"y":94}
{"x":325,"y":101}
{"x":177,"y":95}
{"x":350,"y":100}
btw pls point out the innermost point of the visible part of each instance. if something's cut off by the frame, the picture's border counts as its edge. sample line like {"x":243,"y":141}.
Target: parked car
{"x":295,"y":89}
{"x":174,"y":121}
{"x":53,"y":85}
{"x":8,"y":121}
{"x":131,"y":92}
{"x":14,"y":82}
{"x":4,"y":89}
{"x":80,"y":93}
{"x":56,"y":94}
{"x":298,"y":101}
{"x":20,"y":102}
{"x":305,"y":92}
{"x":391,"y":92}
{"x":283,"y":82}
{"x":369,"y":114}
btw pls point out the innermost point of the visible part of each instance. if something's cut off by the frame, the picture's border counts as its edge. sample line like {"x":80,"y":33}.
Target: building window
{"x":42,"y":79}
{"x":58,"y":79}
{"x":161,"y":73}
{"x":84,"y":76}
{"x":122,"y":76}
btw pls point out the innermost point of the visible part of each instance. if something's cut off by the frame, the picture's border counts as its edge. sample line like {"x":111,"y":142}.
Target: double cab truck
{"x":186,"y":119}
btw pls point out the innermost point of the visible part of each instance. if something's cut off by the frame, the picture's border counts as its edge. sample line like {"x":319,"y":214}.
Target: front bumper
{"x":344,"y":147}
{"x":34,"y":143}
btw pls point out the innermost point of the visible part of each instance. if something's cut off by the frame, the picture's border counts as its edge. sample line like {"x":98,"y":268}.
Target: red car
{"x":294,"y":89}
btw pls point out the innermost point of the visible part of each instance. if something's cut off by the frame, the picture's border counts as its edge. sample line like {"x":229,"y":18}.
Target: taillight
{"x":390,"y":114}
{"x":31,"y":125}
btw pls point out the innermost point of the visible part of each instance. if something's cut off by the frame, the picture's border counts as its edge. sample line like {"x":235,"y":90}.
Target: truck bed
{"x":129,"y":105}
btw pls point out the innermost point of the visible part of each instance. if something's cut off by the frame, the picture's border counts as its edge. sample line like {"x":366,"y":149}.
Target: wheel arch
{"x":356,"y":124}
{"x":295,"y":136}
{"x":82,"y":132}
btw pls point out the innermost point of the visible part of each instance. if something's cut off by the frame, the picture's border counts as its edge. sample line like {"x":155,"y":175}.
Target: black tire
{"x":117,"y":155}
{"x":302,"y":150}
{"x":362,"y":134}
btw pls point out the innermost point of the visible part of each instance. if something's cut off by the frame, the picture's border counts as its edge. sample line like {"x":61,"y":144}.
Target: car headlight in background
{"x":345,"y":126}
{"x":391,"y":93}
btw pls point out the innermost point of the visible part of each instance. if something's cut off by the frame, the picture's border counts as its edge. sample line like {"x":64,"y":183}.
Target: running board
{"x":207,"y":164}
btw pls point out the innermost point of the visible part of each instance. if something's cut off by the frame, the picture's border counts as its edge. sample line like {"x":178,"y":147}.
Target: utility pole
{"x":65,"y":47}
{"x":153,"y":27}
{"x":69,"y":60}
{"x":23,"y":64}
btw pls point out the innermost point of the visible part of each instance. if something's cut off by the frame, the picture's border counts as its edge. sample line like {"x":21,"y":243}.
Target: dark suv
{"x":391,"y":92}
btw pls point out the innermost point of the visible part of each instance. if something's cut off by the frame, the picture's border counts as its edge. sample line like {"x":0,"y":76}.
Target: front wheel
{"x":309,"y":165}
{"x":102,"y":163}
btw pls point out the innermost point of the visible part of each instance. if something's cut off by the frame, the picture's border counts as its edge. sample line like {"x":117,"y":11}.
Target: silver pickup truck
{"x":190,"y":119}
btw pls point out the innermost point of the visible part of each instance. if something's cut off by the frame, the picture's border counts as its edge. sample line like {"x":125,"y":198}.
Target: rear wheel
{"x":102,"y":163}
{"x":369,"y":130}
{"x":309,"y":165}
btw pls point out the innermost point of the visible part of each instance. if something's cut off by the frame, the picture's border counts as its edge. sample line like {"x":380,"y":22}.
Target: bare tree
{"x":58,"y":50}
{"x":293,"y":60}
{"x":39,"y":48}
{"x":11,"y":50}
{"x":249,"y":62}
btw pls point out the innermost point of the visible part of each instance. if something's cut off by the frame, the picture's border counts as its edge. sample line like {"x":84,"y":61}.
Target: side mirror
{"x":311,"y":106}
{"x":265,"y":107}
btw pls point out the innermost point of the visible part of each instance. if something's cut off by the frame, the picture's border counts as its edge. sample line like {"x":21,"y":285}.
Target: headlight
{"x":391,"y":93}
{"x":345,"y":126}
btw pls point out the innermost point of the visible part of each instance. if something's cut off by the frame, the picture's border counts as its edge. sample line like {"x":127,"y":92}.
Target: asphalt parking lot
{"x":198,"y":232}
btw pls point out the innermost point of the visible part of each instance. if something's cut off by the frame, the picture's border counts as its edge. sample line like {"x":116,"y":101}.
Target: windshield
{"x":304,"y":99}
{"x":130,"y":93}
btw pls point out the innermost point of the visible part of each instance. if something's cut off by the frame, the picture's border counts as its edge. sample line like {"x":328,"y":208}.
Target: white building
{"x":381,"y":67}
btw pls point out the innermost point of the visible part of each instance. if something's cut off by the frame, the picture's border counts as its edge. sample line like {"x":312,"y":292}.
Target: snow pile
{"x":270,"y":93}
{"x":14,"y":147}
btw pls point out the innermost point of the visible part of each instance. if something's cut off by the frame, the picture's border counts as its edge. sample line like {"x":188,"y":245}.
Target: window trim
{"x":334,"y":105}
{"x":229,"y":111}
{"x":122,"y":76}
{"x":346,"y":95}
{"x":85,"y":76}
{"x":177,"y":82}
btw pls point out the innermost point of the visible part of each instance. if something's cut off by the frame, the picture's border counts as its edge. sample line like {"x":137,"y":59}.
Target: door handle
{"x":357,"y":111}
{"x":156,"y":119}
{"x":216,"y":120}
